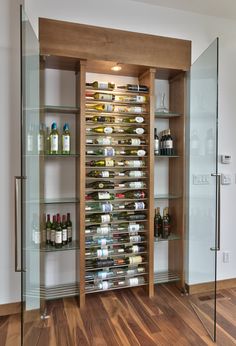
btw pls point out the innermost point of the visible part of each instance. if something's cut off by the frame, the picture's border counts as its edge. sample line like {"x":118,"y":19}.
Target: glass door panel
{"x":203,"y":187}
{"x":30,"y":178}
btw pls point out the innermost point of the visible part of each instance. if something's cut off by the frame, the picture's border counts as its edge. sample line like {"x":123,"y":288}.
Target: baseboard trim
{"x":209,"y":286}
{"x":10,"y":309}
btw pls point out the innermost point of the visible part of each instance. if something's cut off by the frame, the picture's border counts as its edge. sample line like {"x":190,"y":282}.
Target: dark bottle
{"x":48,"y":229}
{"x":58,"y":233}
{"x":166,"y":222}
{"x":131,"y":217}
{"x":53,"y":230}
{"x":69,"y":228}
{"x":157,"y":223}
{"x":102,"y":185}
{"x":163,"y":143}
{"x":134,"y":87}
{"x":64,"y":231}
{"x":169,"y":148}
{"x":156,"y":143}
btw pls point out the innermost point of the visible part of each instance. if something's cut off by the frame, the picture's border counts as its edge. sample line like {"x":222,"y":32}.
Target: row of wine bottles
{"x":106,"y":195}
{"x":112,"y":86}
{"x":114,"y":272}
{"x":110,"y":262}
{"x":163,"y":144}
{"x":124,"y":282}
{"x":107,"y":162}
{"x":115,"y":141}
{"x":57,"y":232}
{"x":101,"y":96}
{"x":130,"y":228}
{"x":116,"y":238}
{"x":113,"y":174}
{"x":46,"y":141}
{"x":109,"y":151}
{"x":120,"y":130}
{"x":162,"y":224}
{"x":107,"y":218}
{"x":111,"y":108}
{"x":105,"y":252}
{"x":114,"y":120}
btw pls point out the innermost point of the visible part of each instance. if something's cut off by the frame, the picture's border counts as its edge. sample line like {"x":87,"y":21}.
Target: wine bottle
{"x":169,"y":149}
{"x":101,"y":129}
{"x":131,"y":98}
{"x":99,"y":196}
{"x":134,"y":260}
{"x":134,"y":120}
{"x":54,"y":139}
{"x":134,"y":87}
{"x":136,"y":185}
{"x":156,"y":143}
{"x":99,"y":241}
{"x":129,"y":109}
{"x":102,"y":230}
{"x":135,"y":174}
{"x":101,"y":174}
{"x":135,"y":249}
{"x":131,"y":239}
{"x":58,"y":233}
{"x":166,"y":221}
{"x":102,"y":107}
{"x":139,"y":280}
{"x":103,"y":184}
{"x":136,"y":206}
{"x":105,"y":207}
{"x":132,"y":152}
{"x":101,"y":163}
{"x":101,"y":85}
{"x":109,"y":151}
{"x":99,"y":218}
{"x":135,"y":130}
{"x":47,"y":141}
{"x":103,"y":141}
{"x":157,"y":223}
{"x":65,"y":138}
{"x":69,"y":228}
{"x":41,"y":139}
{"x":135,"y":271}
{"x":48,"y":229}
{"x":132,"y":217}
{"x":103,"y":97}
{"x":101,"y":119}
{"x":53,"y":230}
{"x":64,"y":230}
{"x":131,"y":141}
{"x":134,"y":163}
{"x":104,"y":252}
{"x":136,"y":194}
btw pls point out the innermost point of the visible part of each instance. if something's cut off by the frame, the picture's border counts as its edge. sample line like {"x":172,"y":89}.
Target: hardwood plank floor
{"x":127,"y":318}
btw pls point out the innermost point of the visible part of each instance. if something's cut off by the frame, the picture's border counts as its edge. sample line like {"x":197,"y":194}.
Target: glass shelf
{"x":74,"y":245}
{"x":167,"y":197}
{"x":61,"y":109}
{"x":68,"y":200}
{"x":169,"y":115}
{"x":164,"y":277}
{"x":166,"y":156}
{"x":171,"y":237}
{"x":60,"y":155}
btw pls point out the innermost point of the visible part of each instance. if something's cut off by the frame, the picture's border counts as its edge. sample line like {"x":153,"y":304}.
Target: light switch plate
{"x":225,"y":179}
{"x":201,"y":179}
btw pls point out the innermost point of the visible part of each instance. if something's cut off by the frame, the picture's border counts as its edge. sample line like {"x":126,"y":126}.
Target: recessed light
{"x":116,"y":67}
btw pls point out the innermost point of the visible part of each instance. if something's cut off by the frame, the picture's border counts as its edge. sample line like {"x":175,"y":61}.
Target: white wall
{"x":121,"y":15}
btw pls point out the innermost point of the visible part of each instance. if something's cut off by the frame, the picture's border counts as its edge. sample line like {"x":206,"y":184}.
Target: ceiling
{"x":217,"y":8}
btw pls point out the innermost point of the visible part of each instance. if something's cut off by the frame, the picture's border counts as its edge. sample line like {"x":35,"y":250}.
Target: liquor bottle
{"x":157,"y":223}
{"x":105,"y":207}
{"x":156,"y":143}
{"x":132,"y":152}
{"x":48,"y":229}
{"x":134,"y":120}
{"x":101,"y":174}
{"x":102,"y":230}
{"x":135,"y":130}
{"x":64,"y":230}
{"x":65,"y":138}
{"x":169,"y":148}
{"x":131,"y":98}
{"x":54,"y":142}
{"x":135,"y":174}
{"x":101,"y":85}
{"x":135,"y":281}
{"x":131,"y":194}
{"x":41,"y":140}
{"x":58,"y":233}
{"x":101,"y":129}
{"x":131,"y":141}
{"x":134,"y":87}
{"x":101,"y":119}
{"x":166,"y":222}
{"x":109,"y":151}
{"x":103,"y":184}
{"x":99,"y":196}
{"x":136,"y":206}
{"x":53,"y":230}
{"x":69,"y":228}
{"x":99,"y":218}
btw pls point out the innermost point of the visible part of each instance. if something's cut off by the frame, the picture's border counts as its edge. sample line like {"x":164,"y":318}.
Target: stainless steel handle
{"x":17,"y":179}
{"x":217,"y":175}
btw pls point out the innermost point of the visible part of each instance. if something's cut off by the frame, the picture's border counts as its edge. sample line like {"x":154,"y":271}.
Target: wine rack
{"x":116,"y":189}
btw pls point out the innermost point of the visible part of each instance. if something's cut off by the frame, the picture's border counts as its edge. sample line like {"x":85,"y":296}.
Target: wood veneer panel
{"x":97,"y":43}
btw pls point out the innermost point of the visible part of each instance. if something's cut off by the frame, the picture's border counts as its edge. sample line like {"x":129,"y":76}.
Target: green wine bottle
{"x":103,"y":195}
{"x":101,"y":85}
{"x":66,"y":142}
{"x":54,"y":142}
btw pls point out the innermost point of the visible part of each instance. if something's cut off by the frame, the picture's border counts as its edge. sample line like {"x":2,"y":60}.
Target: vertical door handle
{"x":218,"y":176}
{"x":17,"y":203}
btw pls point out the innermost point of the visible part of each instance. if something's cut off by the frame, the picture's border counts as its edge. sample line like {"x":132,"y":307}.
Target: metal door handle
{"x":17,"y":179}
{"x":217,"y":175}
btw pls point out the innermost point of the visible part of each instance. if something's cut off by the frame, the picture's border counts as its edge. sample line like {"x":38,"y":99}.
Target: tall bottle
{"x":139,"y":280}
{"x":101,"y":85}
{"x":156,"y":143}
{"x":102,"y":96}
{"x":41,"y":139}
{"x":169,"y":148}
{"x":54,"y":139}
{"x":65,"y":140}
{"x":166,"y":228}
{"x":48,"y":229}
{"x":69,"y":228}
{"x":58,"y":233}
{"x":135,"y":174}
{"x":157,"y":223}
{"x":64,"y":230}
{"x":53,"y":230}
{"x":47,"y":140}
{"x":134,"y":87}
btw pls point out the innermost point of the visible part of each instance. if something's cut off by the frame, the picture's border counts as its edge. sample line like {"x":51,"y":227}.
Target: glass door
{"x":203,"y":187}
{"x":30,"y":185}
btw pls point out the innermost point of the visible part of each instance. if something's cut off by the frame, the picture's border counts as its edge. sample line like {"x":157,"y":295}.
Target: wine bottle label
{"x":54,"y":143}
{"x":107,"y":207}
{"x":140,"y":269}
{"x":89,"y":152}
{"x":103,"y":141}
{"x":135,"y":109}
{"x":135,"y":248}
{"x":48,"y":234}
{"x":133,"y":227}
{"x":103,"y":230}
{"x":102,"y":253}
{"x":64,"y":235}
{"x":107,"y":107}
{"x":103,"y":242}
{"x":105,"y":174}
{"x":69,"y":232}
{"x":52,"y":235}
{"x":105,"y":97}
{"x":141,"y":152}
{"x":37,"y":237}
{"x":133,"y":281}
{"x":102,"y":85}
{"x":66,"y":143}
{"x":139,"y":205}
{"x":139,"y":120}
{"x":120,"y":163}
{"x":135,"y":141}
{"x":135,"y":174}
{"x":108,"y":130}
{"x":105,"y":285}
{"x":103,"y":195}
{"x":109,"y":152}
{"x":58,"y":237}
{"x":135,"y":238}
{"x":134,"y":163}
{"x":156,"y":144}
{"x":109,"y":163}
{"x":89,"y":141}
{"x":102,"y":275}
{"x":139,"y":130}
{"x":135,"y":260}
{"x":105,"y":218}
{"x":30,"y":143}
{"x":169,"y":144}
{"x":101,"y":185}
{"x":136,"y":184}
{"x":140,"y":98}
{"x":40,"y":142}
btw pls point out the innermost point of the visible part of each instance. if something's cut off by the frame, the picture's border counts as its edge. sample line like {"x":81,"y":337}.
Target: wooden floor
{"x":127,"y":317}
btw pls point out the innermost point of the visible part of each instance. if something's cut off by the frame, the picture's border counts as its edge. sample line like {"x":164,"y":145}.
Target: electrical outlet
{"x":201,"y":179}
{"x":225,"y":257}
